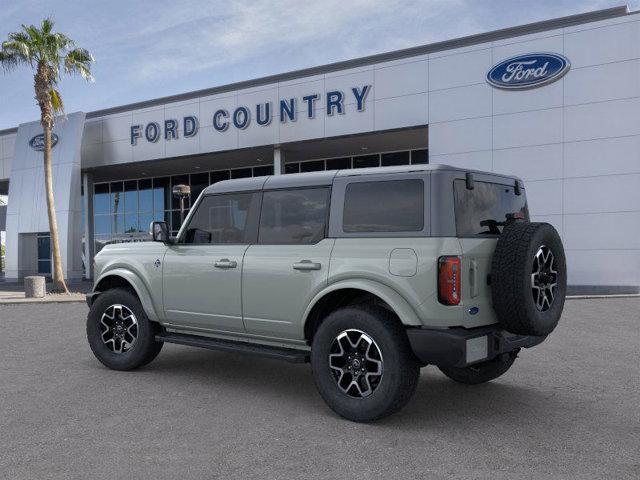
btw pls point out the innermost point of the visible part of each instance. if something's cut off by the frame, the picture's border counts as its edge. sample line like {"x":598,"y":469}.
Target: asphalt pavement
{"x":568,"y":408}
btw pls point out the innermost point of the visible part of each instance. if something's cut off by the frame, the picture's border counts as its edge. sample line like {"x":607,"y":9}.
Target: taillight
{"x":449,"y":280}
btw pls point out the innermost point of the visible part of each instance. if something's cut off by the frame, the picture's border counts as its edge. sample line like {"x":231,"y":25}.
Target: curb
{"x":587,"y":297}
{"x":21,"y":301}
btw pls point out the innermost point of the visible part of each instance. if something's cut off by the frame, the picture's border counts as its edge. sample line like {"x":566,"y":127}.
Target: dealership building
{"x":556,"y":103}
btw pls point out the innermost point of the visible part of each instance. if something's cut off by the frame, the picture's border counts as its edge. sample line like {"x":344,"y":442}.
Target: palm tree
{"x":47,"y":53}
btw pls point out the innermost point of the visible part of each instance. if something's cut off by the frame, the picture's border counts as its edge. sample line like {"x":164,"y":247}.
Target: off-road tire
{"x":481,"y":372}
{"x":511,"y":278}
{"x":400,"y":367}
{"x":145,"y":348}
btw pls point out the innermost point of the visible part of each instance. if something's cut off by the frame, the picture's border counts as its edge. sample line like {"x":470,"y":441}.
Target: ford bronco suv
{"x":368,"y":274}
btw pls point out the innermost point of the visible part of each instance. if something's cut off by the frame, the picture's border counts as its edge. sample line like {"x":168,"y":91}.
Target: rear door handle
{"x":226,"y":263}
{"x":306,"y":265}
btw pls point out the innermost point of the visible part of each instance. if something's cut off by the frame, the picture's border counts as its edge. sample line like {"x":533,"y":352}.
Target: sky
{"x":149,"y":49}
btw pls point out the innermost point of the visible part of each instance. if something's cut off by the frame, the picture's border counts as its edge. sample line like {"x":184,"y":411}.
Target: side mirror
{"x":159,"y":232}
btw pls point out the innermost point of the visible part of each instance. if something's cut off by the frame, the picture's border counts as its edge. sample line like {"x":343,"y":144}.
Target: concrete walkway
{"x":13,"y":293}
{"x":10,"y":298}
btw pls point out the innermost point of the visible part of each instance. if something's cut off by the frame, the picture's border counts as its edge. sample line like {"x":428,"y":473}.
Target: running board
{"x":278,"y":353}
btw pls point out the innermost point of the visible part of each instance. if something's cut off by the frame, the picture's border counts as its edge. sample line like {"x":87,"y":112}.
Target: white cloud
{"x":148,"y":49}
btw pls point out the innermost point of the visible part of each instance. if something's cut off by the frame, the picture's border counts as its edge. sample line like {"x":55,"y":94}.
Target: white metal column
{"x":278,"y":161}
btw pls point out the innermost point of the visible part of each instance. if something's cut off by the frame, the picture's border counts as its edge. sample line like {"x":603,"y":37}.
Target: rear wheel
{"x":119,"y":333}
{"x":362,"y":363}
{"x":481,"y":372}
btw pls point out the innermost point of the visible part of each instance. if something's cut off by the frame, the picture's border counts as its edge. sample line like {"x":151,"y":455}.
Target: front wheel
{"x":119,"y":333}
{"x":362,"y":363}
{"x":481,"y":372}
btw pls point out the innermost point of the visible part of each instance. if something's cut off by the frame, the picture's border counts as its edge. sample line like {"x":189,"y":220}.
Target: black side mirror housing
{"x":160,"y":232}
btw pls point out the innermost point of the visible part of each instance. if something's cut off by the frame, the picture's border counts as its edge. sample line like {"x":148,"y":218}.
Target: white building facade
{"x":573,"y":136}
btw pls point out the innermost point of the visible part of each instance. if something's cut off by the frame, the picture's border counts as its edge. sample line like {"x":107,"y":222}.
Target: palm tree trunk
{"x":59,"y":285}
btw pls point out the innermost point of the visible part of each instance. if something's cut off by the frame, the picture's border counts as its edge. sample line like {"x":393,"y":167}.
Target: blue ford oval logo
{"x":528,"y":71}
{"x":37,"y":142}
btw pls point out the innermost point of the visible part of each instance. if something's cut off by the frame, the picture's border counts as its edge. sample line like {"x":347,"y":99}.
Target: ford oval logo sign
{"x":528,"y":71}
{"x":37,"y":142}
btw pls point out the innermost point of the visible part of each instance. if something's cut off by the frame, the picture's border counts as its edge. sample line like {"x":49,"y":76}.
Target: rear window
{"x":483,"y":210}
{"x":385,"y":206}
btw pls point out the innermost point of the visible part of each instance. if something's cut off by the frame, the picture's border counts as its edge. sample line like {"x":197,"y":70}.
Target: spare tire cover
{"x":529,"y":278}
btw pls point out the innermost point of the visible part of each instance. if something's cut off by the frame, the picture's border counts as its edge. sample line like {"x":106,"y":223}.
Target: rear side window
{"x":483,"y":210}
{"x":384,"y":206}
{"x":223,"y":219}
{"x":297,"y":216}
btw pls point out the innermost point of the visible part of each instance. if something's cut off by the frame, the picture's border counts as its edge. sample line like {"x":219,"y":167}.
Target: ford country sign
{"x":37,"y":142}
{"x":528,"y":71}
{"x":283,"y":110}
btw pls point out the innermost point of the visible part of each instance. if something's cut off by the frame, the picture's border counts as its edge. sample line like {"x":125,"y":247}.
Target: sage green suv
{"x":369,"y":274}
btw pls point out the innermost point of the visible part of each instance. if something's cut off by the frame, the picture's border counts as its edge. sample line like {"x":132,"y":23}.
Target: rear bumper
{"x":460,"y":347}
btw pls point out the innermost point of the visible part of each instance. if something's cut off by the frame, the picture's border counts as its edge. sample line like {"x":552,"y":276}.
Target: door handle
{"x":226,"y":263}
{"x":306,"y":265}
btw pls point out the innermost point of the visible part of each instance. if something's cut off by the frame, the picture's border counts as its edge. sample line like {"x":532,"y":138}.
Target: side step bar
{"x":278,"y":353}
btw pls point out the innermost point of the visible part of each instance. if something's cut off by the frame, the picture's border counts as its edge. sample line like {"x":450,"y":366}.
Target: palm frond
{"x":56,"y":101}
{"x":19,"y":44}
{"x":8,"y":60}
{"x":79,"y":60}
{"x":35,"y":35}
{"x":47,"y":25}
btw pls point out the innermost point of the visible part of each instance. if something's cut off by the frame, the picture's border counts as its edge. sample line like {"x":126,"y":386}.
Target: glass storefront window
{"x":241,"y":173}
{"x":263,"y":171}
{"x":366,"y":161}
{"x":161,"y":194}
{"x":313,"y":166}
{"x":199,"y":181}
{"x":292,"y":168}
{"x":131,"y":223}
{"x":339,"y":163}
{"x":118,"y":224}
{"x":145,"y":195}
{"x":219,"y":176}
{"x":131,"y":196}
{"x":144,"y":220}
{"x":179,"y":180}
{"x":117,"y":190}
{"x":394,"y":158}
{"x":101,"y":199}
{"x":102,"y":224}
{"x":419,"y":157}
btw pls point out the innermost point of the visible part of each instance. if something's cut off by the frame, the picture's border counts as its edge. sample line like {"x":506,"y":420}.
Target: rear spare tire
{"x":529,"y":278}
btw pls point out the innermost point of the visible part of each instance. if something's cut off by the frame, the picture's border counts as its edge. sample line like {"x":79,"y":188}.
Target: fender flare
{"x":138,"y":285}
{"x":391,"y":297}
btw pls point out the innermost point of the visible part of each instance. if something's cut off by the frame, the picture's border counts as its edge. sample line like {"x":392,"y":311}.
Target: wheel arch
{"x":345,"y":292}
{"x":121,"y":277}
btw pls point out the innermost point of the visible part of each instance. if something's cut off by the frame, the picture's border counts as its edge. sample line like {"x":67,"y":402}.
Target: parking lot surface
{"x":567,"y":409}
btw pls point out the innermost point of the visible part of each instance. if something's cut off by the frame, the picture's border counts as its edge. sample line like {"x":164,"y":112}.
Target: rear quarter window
{"x":384,"y":206}
{"x":483,"y":210}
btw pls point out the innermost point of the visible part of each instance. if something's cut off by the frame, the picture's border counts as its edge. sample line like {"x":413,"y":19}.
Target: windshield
{"x":484,"y":210}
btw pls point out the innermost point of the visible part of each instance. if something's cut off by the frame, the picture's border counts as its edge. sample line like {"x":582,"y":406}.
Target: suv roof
{"x":325,"y":177}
